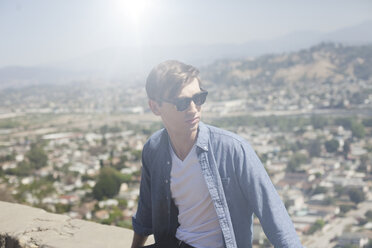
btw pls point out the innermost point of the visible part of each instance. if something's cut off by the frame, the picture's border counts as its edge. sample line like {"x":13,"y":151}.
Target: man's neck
{"x":182,"y":143}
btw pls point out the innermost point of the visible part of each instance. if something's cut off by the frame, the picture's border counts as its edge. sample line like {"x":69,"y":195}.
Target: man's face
{"x":185,"y":121}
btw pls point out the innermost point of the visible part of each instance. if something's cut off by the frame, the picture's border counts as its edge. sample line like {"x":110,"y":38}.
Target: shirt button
{"x":166,"y":181}
{"x":168,"y":162}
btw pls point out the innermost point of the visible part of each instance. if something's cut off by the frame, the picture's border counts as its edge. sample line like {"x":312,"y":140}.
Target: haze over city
{"x":44,"y":32}
{"x":293,"y":78}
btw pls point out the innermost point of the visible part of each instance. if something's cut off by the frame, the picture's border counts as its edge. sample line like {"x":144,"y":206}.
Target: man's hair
{"x":168,"y":78}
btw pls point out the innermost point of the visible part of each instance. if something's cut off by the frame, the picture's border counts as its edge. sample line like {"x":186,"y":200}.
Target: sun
{"x":137,"y":10}
{"x":134,"y":10}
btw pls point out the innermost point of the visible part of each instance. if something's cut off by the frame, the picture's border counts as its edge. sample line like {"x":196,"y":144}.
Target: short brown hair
{"x":167,"y":79}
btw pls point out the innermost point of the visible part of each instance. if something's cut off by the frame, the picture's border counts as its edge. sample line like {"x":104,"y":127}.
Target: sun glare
{"x":131,"y":20}
{"x":135,"y":10}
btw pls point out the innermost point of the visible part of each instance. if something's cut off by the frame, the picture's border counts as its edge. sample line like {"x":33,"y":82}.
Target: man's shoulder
{"x":155,"y":140}
{"x":225,"y":136}
{"x":229,"y":142}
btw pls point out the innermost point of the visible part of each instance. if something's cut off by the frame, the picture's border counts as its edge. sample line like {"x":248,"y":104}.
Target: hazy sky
{"x":34,"y":32}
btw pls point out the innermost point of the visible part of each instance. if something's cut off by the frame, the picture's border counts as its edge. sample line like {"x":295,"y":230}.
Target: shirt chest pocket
{"x":226,"y":186}
{"x":225,"y":181}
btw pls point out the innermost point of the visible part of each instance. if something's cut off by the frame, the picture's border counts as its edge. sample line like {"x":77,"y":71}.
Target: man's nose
{"x":192,"y":107}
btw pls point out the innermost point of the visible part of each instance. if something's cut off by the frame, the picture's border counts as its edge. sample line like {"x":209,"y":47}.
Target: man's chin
{"x":192,"y":125}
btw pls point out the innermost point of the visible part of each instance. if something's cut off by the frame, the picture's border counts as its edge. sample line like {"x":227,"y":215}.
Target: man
{"x":201,"y":185}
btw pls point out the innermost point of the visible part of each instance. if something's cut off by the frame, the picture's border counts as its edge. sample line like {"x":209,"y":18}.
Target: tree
{"x":356,"y":195}
{"x":368,"y":215}
{"x":345,"y":122}
{"x":339,"y":190}
{"x":23,"y":169}
{"x":104,"y":129}
{"x":320,"y":190}
{"x":62,"y":208}
{"x":105,"y":187}
{"x":137,"y":154}
{"x":38,"y":188}
{"x":108,"y":184}
{"x":345,"y":208}
{"x":350,"y":246}
{"x":314,"y":148}
{"x":362,"y":71}
{"x":346,"y":149}
{"x":36,"y":156}
{"x":104,"y":141}
{"x":363,"y":167}
{"x":364,"y":159}
{"x":121,"y":164}
{"x":318,"y":225}
{"x":369,"y":245}
{"x":357,"y":129}
{"x":295,"y":161}
{"x":329,"y":201}
{"x":123,"y":203}
{"x":319,"y":122}
{"x":8,"y":157}
{"x":331,"y":145}
{"x":367,"y":122}
{"x":101,"y":163}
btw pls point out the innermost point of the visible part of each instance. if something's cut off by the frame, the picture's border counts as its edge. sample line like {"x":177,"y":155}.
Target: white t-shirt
{"x":199,"y":226}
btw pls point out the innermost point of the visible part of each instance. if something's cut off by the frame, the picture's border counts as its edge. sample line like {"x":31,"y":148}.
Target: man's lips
{"x":193,"y":120}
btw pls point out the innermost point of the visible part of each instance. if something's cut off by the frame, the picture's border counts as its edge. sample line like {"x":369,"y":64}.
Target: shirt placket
{"x":215,"y":195}
{"x":167,"y":171}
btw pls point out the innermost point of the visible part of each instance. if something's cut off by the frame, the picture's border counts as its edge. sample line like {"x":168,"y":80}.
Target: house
{"x":294,"y":200}
{"x":102,"y":214}
{"x":301,"y":181}
{"x":356,"y":239}
{"x":326,"y":212}
{"x":258,"y":234}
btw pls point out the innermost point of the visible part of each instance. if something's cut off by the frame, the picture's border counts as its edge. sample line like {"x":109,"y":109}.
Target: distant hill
{"x":131,"y":65}
{"x":120,"y":61}
{"x":322,"y":63}
{"x":326,"y":76}
{"x":18,"y":76}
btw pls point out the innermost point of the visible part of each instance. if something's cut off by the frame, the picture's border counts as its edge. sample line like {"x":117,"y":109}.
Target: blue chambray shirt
{"x":237,"y":182}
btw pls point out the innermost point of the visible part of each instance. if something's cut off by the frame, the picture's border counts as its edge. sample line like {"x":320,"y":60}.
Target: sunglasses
{"x":183,"y":103}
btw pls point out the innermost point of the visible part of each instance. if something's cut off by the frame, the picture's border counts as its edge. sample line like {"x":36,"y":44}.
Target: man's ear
{"x":154,"y":106}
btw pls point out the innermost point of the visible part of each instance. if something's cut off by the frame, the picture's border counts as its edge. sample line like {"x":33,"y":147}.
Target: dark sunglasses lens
{"x":183,"y":104}
{"x":200,"y":98}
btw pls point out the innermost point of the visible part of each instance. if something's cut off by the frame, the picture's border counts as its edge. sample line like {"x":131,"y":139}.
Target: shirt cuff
{"x":139,"y":229}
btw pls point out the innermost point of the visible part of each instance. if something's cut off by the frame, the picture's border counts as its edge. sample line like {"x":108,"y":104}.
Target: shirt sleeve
{"x":142,"y":220}
{"x":264,"y":200}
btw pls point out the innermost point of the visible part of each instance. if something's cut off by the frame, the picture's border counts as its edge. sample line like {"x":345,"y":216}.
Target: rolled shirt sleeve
{"x":264,"y":199}
{"x":142,"y":220}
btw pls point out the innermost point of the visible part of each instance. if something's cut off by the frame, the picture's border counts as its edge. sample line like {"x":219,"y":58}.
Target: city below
{"x":75,"y":149}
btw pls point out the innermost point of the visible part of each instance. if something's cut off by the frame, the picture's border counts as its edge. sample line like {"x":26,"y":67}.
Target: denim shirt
{"x":237,"y":182}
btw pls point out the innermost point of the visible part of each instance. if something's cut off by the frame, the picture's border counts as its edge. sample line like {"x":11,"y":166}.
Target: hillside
{"x":326,"y":76}
{"x":321,"y":63}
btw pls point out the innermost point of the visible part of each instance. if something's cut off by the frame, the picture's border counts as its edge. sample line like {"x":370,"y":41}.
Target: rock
{"x":27,"y":227}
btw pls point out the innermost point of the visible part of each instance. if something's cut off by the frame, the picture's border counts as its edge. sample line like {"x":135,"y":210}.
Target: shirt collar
{"x":201,"y":141}
{"x":203,"y":137}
